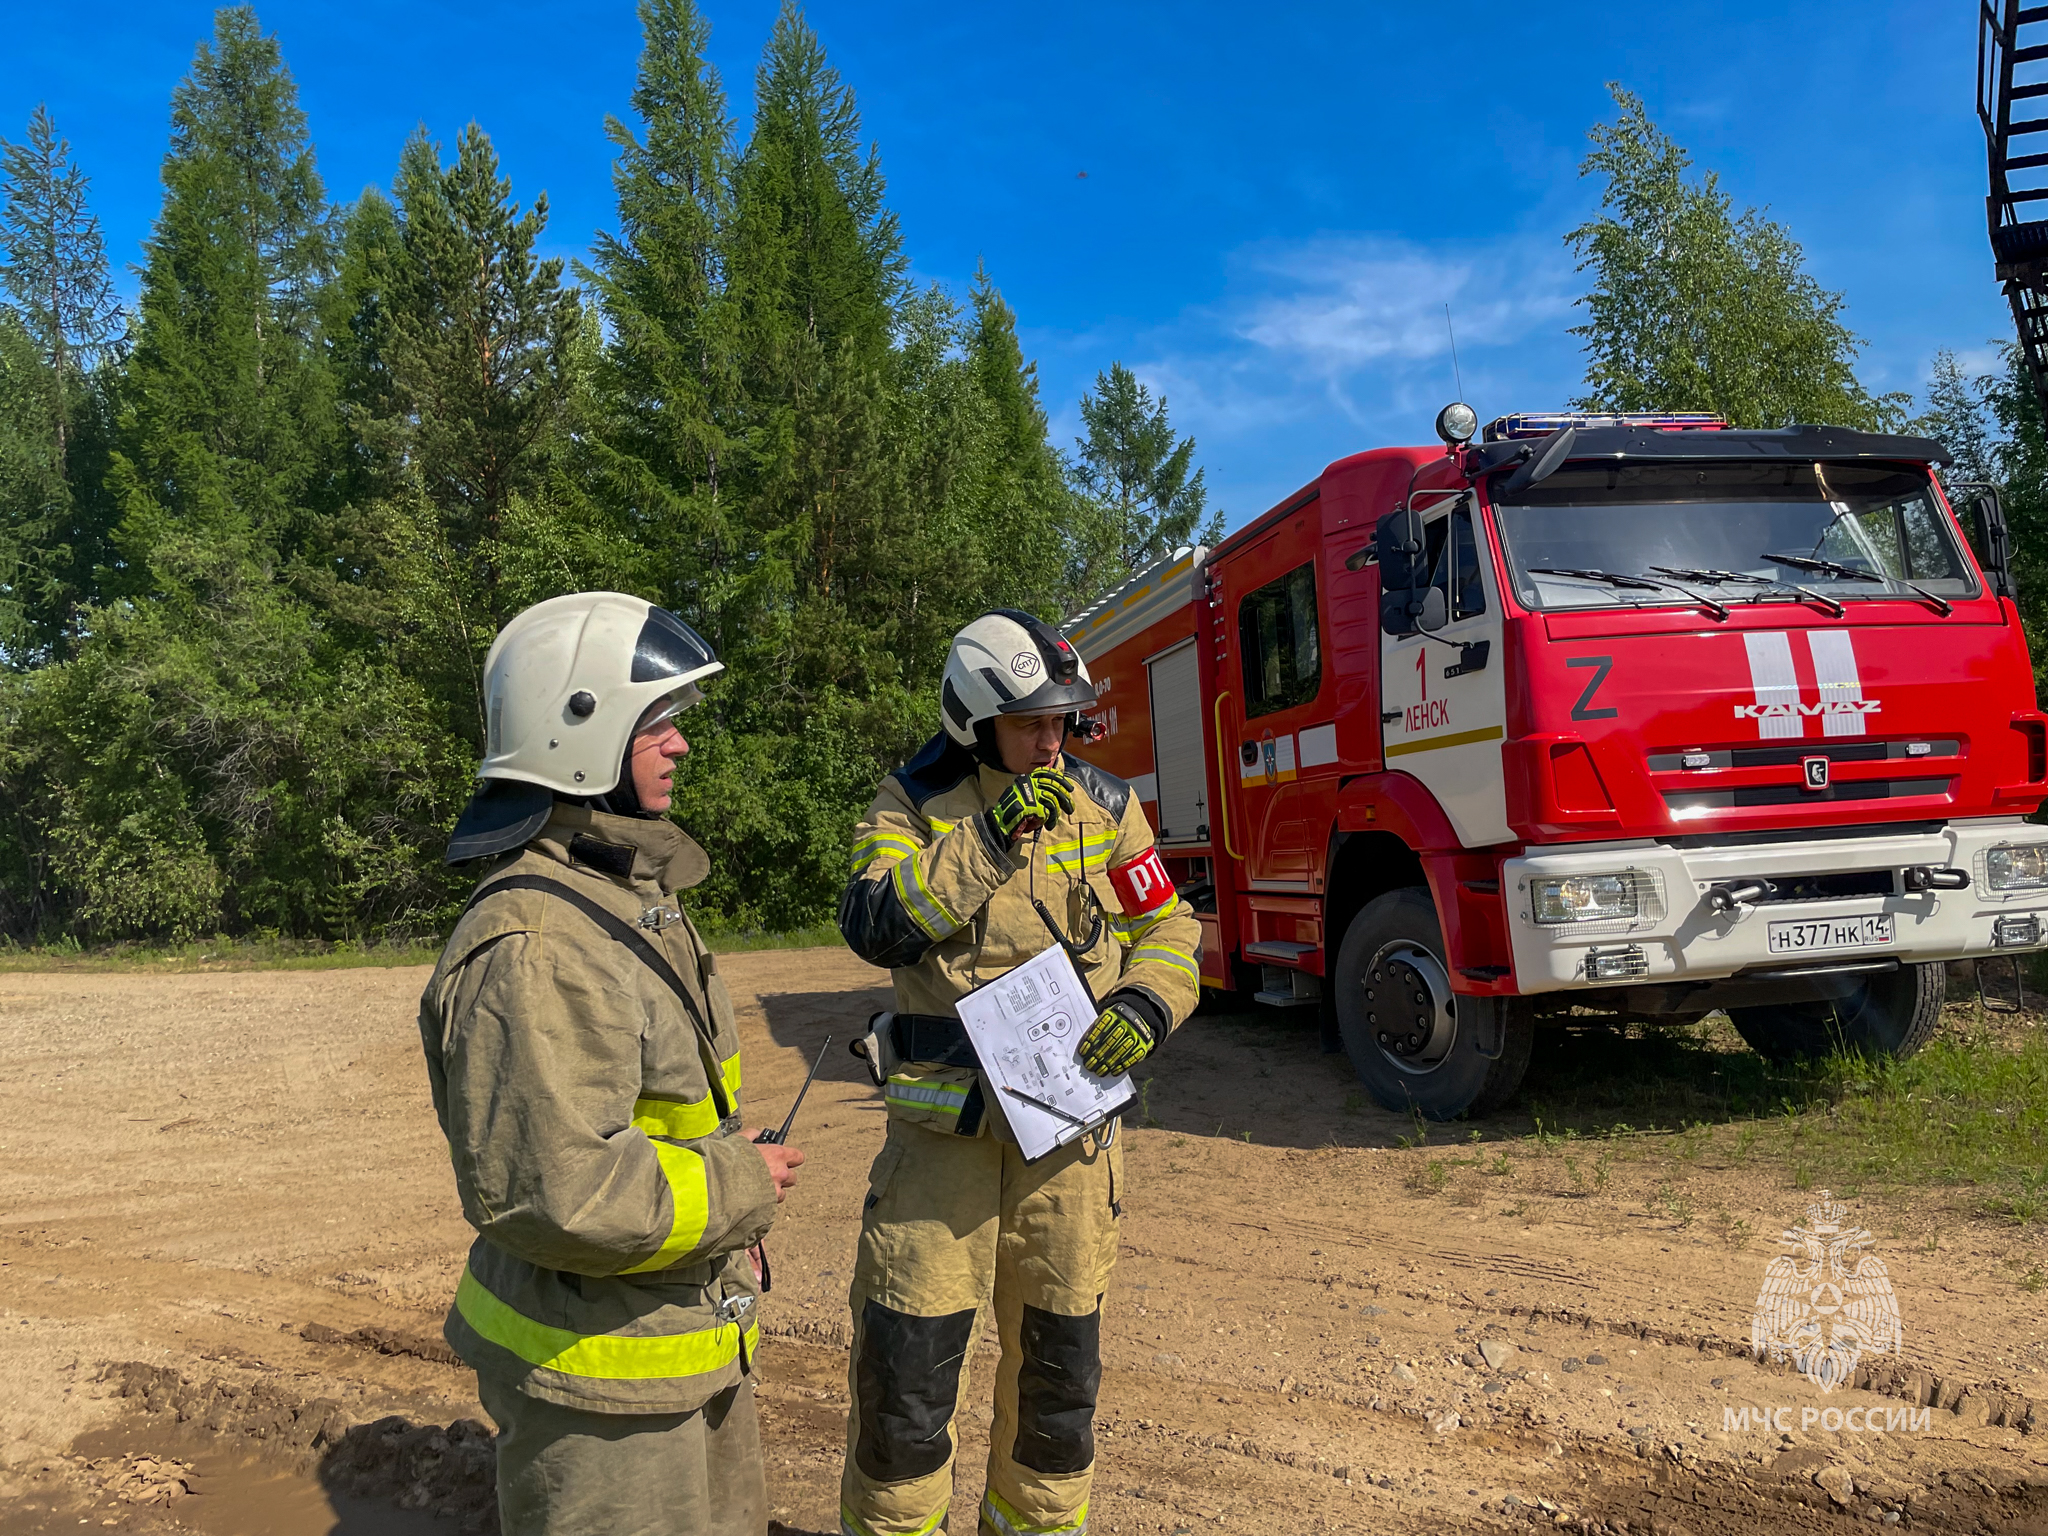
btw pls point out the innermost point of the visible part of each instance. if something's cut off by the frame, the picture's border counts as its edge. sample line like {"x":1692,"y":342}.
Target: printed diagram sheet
{"x":1025,"y":1027}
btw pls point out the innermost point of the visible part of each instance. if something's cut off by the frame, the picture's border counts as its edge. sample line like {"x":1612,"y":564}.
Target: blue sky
{"x":1278,"y":200}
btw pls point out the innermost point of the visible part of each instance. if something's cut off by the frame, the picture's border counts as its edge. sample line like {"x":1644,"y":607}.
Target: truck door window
{"x":1453,"y":554}
{"x":1279,"y":644}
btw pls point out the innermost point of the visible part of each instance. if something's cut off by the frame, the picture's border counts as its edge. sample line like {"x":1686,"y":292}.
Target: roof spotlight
{"x":1456,"y":423}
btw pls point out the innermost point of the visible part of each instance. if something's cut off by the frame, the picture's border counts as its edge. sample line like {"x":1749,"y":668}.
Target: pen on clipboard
{"x":1050,"y":1109}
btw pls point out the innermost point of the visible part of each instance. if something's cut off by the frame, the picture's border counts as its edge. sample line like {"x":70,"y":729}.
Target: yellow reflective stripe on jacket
{"x":688,"y":1119}
{"x":851,"y":1524}
{"x":946,"y":1098}
{"x":996,"y":1511}
{"x":925,"y":909}
{"x":676,"y":1119}
{"x":1128,"y":930}
{"x":869,"y":848}
{"x":1082,"y":854}
{"x":600,"y":1356}
{"x":940,"y":827}
{"x":1166,"y":954}
{"x":690,"y":1193}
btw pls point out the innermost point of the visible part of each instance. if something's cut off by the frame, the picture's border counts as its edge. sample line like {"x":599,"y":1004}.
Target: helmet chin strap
{"x":623,"y":798}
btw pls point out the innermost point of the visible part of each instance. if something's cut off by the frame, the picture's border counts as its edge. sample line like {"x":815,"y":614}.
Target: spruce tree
{"x":228,"y":426}
{"x":53,"y":264}
{"x":470,"y":341}
{"x":669,"y":384}
{"x":480,"y":336}
{"x":1138,"y":475}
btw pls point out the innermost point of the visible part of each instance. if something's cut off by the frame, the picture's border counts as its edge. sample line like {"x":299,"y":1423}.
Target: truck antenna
{"x":1457,"y":376}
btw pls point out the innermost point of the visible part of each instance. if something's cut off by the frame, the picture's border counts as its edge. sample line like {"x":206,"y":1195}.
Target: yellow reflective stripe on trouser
{"x":1166,"y":955}
{"x":688,"y":1119}
{"x":866,"y":850}
{"x":924,"y":908}
{"x":850,"y":1524}
{"x":690,"y":1193}
{"x":996,"y":1510}
{"x":600,"y":1356}
{"x":946,"y":1098}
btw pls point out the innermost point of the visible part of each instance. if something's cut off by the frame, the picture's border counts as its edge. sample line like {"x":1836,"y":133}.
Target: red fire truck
{"x":1634,"y":715}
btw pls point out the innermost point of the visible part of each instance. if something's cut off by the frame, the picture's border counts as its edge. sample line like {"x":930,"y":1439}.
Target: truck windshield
{"x":1853,"y":532}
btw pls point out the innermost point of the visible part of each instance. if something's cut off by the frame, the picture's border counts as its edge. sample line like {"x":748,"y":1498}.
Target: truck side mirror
{"x":1434,"y":612}
{"x":1399,"y":540}
{"x":1994,"y":540}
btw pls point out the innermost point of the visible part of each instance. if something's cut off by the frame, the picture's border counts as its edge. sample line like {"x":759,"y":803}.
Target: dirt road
{"x":229,"y":1235}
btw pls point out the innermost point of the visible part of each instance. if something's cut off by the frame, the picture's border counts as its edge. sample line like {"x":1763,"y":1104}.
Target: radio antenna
{"x":1457,"y":376}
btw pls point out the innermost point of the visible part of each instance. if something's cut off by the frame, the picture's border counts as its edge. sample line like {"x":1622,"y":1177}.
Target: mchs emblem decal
{"x":1828,"y":1303}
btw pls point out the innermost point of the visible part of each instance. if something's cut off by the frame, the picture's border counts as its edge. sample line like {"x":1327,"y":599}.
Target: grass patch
{"x":733,"y":941}
{"x":274,"y":952}
{"x":1968,"y":1114}
{"x":266,"y":952}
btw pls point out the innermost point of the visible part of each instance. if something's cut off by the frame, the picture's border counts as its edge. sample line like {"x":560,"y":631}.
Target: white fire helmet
{"x":568,"y":681}
{"x":1009,"y":663}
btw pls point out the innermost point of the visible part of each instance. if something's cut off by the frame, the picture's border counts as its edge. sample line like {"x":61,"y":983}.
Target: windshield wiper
{"x":1834,"y":609}
{"x":1940,"y":605}
{"x":1646,"y":583}
{"x":1714,"y":576}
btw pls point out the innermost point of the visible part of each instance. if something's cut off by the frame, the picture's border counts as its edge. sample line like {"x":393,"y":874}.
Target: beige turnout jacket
{"x":937,"y":897}
{"x":590,"y":1121}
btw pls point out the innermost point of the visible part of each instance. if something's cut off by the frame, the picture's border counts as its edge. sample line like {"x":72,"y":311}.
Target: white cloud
{"x":1321,"y":347}
{"x":1339,"y":305}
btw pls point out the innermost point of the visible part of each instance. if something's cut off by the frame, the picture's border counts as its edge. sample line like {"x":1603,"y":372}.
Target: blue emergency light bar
{"x":1543,"y":423}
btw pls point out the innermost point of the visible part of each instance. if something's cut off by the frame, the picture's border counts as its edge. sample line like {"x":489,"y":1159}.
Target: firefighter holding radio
{"x":986,"y":848}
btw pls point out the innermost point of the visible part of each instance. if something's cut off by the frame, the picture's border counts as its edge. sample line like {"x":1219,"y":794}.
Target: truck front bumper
{"x":1684,"y":931}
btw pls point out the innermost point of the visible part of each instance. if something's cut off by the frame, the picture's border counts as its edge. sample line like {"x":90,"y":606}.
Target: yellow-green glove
{"x":1038,"y":798}
{"x":1117,"y":1041}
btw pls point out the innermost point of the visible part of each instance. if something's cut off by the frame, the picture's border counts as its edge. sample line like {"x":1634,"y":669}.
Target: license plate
{"x":1831,"y":933}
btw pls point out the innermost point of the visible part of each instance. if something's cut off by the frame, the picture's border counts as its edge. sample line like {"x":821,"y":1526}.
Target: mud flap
{"x":1489,"y":1017}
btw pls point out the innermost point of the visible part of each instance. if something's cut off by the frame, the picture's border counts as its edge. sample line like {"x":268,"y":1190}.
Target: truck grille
{"x":1798,"y":794}
{"x":1790,"y":757}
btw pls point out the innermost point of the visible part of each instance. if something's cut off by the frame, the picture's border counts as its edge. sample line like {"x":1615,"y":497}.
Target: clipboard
{"x":1025,"y":1026}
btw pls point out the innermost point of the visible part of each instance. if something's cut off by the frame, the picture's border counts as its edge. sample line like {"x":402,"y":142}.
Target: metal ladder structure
{"x":2012,"y":41}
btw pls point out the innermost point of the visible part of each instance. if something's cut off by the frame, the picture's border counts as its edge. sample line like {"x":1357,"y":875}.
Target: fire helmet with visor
{"x":1009,"y":663}
{"x":567,"y":684}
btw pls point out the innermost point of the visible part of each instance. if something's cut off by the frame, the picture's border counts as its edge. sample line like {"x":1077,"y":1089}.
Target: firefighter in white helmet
{"x":970,"y":858}
{"x":585,"y":1067}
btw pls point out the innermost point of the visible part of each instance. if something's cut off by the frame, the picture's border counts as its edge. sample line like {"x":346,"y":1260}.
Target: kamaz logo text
{"x":1826,"y":707}
{"x":1778,"y":682}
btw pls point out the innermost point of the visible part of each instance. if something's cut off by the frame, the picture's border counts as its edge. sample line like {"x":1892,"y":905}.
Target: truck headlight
{"x":2024,"y":868}
{"x":1583,"y":899}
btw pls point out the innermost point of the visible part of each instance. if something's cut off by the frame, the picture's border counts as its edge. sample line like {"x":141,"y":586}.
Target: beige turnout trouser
{"x":952,"y":1223}
{"x":569,"y":1472}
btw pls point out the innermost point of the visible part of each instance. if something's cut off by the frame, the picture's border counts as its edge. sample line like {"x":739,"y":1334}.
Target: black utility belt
{"x":932,"y":1038}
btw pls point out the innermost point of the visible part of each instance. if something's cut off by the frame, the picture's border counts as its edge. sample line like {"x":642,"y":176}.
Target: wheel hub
{"x":1409,"y":1006}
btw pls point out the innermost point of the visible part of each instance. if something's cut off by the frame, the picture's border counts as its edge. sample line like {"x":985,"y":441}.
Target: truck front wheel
{"x":1893,"y":1014}
{"x":1414,"y":1043}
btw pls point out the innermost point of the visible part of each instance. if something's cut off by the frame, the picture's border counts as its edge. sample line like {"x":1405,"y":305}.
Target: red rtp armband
{"x":1142,"y":885}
